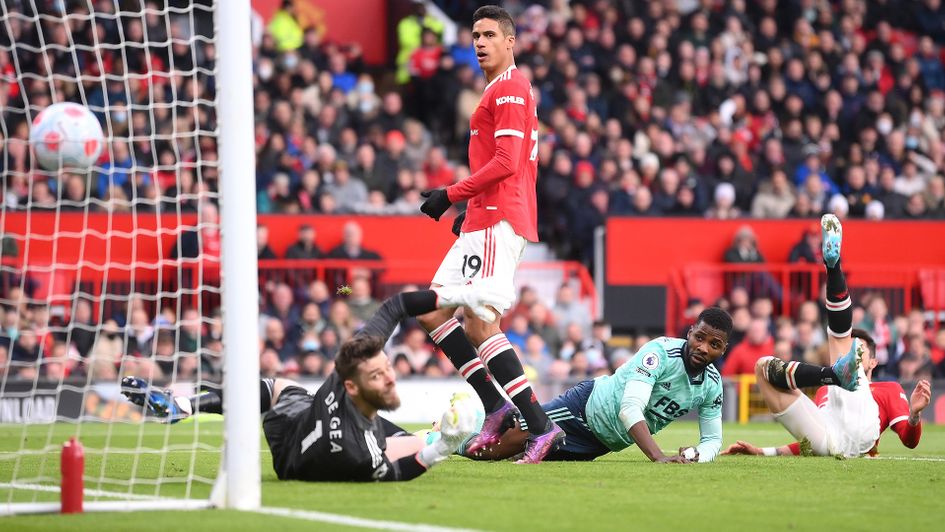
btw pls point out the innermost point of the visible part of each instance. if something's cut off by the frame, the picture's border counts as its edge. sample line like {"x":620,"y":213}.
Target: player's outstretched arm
{"x":501,"y":166}
{"x":743,"y":447}
{"x":710,"y":426}
{"x":401,"y":306}
{"x":457,"y":424}
{"x":921,"y":397}
{"x":635,"y":398}
{"x":640,"y":433}
{"x":910,"y":431}
{"x":397,"y":308}
{"x":710,"y":440}
{"x":508,"y":149}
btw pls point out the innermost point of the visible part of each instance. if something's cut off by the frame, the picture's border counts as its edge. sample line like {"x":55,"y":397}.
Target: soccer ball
{"x":66,"y":136}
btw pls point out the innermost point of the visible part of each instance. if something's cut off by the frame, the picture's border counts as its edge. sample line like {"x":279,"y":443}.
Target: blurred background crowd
{"x":301,"y":334}
{"x":698,"y":108}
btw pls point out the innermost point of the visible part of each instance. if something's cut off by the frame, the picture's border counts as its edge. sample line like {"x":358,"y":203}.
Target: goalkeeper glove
{"x":458,"y":423}
{"x":437,"y":202}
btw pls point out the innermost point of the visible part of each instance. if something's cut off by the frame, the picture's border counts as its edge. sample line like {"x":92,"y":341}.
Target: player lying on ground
{"x":895,"y":411}
{"x":667,"y":378}
{"x":849,"y":413}
{"x":335,"y":434}
{"x":501,"y":215}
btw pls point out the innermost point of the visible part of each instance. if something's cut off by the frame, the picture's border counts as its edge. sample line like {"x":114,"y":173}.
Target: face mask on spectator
{"x":264,"y":71}
{"x":366,"y":105}
{"x":290,"y":61}
{"x":884,"y":127}
{"x":121,"y":117}
{"x":309,"y":345}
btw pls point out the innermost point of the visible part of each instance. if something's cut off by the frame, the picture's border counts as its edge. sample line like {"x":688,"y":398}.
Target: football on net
{"x":66,"y":136}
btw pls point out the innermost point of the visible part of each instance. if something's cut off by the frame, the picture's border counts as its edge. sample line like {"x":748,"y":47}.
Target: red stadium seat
{"x":932,"y":288}
{"x":55,"y":286}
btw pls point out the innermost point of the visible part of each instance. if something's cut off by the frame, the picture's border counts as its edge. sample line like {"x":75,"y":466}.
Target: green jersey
{"x":656,"y":382}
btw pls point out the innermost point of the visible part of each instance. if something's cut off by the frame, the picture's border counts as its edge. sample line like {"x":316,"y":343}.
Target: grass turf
{"x":615,"y":492}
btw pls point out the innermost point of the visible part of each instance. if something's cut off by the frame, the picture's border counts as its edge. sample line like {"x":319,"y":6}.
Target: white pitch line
{"x":88,"y":492}
{"x":57,"y":450}
{"x":176,"y":505}
{"x":306,"y":515}
{"x":346,"y":520}
{"x":907,"y":458}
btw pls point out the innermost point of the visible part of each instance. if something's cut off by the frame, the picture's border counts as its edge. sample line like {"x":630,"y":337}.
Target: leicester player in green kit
{"x":665,"y":380}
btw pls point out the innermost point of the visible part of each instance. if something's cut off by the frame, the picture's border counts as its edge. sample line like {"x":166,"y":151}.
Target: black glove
{"x":436,"y":204}
{"x":458,"y":223}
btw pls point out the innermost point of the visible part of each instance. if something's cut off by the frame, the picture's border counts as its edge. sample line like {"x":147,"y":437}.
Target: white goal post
{"x":144,"y":265}
{"x":241,"y":304}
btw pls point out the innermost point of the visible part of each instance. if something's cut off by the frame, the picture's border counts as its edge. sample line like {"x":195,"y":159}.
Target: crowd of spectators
{"x":705,"y":108}
{"x":907,"y":347}
{"x":302,"y":327}
{"x":721,"y":109}
{"x":710,"y":108}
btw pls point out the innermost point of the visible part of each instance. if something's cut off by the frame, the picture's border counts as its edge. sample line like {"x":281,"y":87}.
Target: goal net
{"x":117,"y":271}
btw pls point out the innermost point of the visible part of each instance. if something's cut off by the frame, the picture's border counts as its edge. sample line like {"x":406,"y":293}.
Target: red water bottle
{"x":72,"y":466}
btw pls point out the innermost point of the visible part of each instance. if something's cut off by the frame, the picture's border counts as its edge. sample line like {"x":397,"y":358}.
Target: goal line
{"x":135,"y":502}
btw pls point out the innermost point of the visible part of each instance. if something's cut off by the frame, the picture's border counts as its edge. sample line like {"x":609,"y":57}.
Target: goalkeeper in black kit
{"x":335,"y":434}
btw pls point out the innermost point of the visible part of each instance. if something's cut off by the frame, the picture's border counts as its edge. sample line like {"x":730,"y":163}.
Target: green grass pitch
{"x":904,"y":491}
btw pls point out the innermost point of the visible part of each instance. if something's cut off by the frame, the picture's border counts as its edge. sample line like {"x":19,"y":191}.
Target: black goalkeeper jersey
{"x":328,"y":438}
{"x":323,"y":436}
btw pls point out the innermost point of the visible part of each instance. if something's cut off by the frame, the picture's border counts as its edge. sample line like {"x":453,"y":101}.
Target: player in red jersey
{"x":847,"y":418}
{"x":897,"y":412}
{"x":501,"y":216}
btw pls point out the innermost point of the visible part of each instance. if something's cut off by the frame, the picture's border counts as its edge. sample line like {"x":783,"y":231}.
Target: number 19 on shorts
{"x":471,"y":264}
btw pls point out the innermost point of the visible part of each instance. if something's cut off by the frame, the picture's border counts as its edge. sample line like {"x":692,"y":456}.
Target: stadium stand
{"x":724,"y":110}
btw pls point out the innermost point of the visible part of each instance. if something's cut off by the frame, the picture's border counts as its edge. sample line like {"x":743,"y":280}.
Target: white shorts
{"x":847,"y":424}
{"x":490,"y":255}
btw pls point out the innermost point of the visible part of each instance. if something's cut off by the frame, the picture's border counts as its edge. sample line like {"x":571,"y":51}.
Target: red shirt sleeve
{"x":795,"y":448}
{"x":896,"y":405}
{"x":507,"y":154}
{"x":909,"y":435}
